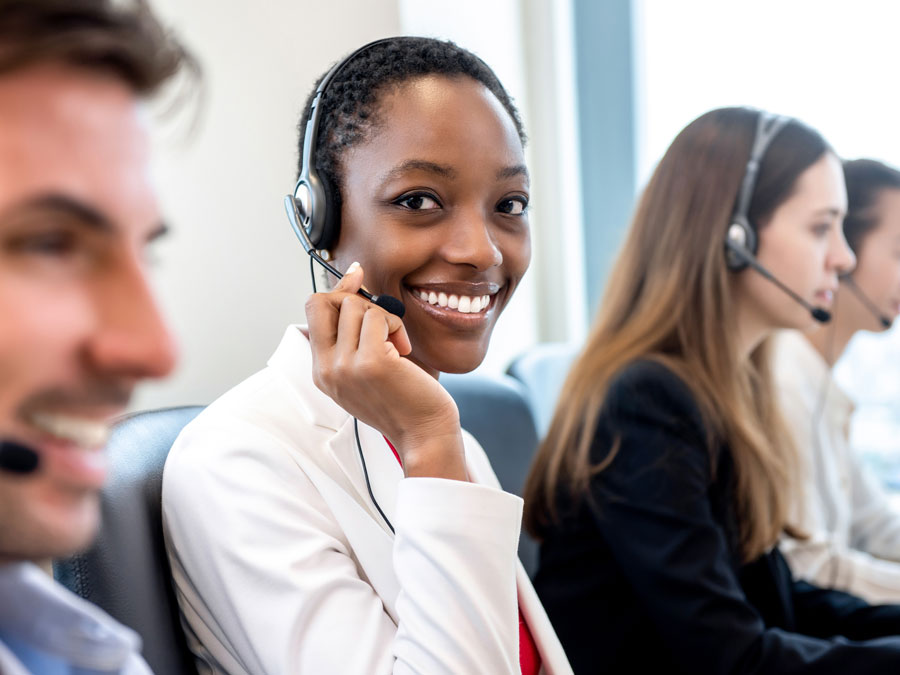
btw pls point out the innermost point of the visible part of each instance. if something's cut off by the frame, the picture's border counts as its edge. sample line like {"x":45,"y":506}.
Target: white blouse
{"x":854,"y":543}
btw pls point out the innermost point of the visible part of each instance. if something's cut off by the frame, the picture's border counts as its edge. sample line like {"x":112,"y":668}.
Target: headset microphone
{"x":850,"y":283}
{"x":819,"y":314}
{"x":17,"y":458}
{"x":387,"y":302}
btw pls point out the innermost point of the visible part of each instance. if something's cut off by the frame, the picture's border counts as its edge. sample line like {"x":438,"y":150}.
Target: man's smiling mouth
{"x":81,"y":431}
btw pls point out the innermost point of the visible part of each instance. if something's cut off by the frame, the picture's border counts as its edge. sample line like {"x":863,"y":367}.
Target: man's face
{"x":78,"y":323}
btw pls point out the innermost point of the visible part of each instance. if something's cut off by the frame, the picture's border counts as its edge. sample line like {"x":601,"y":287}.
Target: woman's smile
{"x":461,"y":305}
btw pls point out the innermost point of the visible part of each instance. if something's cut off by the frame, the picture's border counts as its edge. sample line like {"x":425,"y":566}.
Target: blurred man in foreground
{"x":79,"y":327}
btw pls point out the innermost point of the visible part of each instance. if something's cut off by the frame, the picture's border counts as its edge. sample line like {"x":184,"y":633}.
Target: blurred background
{"x":603,"y":86}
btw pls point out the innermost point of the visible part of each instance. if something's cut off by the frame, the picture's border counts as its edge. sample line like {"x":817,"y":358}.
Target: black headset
{"x":312,"y":209}
{"x":314,"y":197}
{"x":741,"y":238}
{"x":741,"y":232}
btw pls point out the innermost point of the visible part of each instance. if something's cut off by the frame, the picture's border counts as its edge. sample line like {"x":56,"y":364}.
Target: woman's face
{"x":803,"y":246}
{"x":877,"y":270}
{"x":434,"y":209}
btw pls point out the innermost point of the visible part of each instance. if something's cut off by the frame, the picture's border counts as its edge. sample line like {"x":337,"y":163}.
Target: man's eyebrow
{"x":83,"y":214}
{"x":512,"y":172}
{"x":420,"y":165}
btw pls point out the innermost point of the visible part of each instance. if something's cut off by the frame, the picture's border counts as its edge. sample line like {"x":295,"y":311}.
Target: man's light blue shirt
{"x":47,"y":630}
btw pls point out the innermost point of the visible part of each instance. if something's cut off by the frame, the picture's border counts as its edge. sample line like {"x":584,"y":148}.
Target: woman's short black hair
{"x":866,"y":179}
{"x":349,"y":110}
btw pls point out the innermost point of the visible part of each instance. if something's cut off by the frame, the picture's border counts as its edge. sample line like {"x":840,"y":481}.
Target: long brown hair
{"x":670,"y":299}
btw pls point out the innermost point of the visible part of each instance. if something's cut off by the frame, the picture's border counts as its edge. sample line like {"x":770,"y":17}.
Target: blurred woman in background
{"x":665,"y":481}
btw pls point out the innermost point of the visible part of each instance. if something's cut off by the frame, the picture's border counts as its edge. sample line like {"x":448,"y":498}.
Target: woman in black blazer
{"x":665,"y":480}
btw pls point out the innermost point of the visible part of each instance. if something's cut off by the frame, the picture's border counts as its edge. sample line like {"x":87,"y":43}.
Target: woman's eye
{"x":821,"y":230}
{"x":418,"y":202}
{"x":514,"y":207}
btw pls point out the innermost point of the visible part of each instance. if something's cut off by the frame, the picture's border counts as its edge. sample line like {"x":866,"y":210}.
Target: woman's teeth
{"x":461,"y":303}
{"x":83,"y":432}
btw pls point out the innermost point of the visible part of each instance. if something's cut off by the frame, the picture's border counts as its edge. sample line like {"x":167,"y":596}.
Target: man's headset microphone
{"x":742,"y":241}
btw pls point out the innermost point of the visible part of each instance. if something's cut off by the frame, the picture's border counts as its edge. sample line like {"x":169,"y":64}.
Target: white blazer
{"x":282,"y":564}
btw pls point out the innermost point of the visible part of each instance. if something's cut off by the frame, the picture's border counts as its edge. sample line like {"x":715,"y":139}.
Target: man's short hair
{"x":122,"y":38}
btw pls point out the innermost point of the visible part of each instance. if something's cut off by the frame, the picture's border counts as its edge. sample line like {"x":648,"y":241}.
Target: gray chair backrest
{"x":542,"y":370}
{"x":126,"y":572}
{"x":495,"y":411}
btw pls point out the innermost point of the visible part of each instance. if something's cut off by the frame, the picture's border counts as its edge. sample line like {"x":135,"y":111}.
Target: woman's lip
{"x":825,"y":296}
{"x":452,"y":316}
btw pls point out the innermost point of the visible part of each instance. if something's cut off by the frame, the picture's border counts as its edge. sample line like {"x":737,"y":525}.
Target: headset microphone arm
{"x":387,"y":302}
{"x":819,"y":314}
{"x":850,"y":282}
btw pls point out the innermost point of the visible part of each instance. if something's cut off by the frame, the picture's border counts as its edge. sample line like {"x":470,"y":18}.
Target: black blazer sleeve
{"x":654,"y":505}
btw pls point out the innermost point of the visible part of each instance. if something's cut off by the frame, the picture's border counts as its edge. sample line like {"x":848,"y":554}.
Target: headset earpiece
{"x":743,"y":235}
{"x":318,"y":206}
{"x":331,"y":220}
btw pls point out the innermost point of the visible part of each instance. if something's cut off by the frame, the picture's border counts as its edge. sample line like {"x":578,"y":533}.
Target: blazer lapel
{"x":383,"y":469}
{"x":553,"y":657}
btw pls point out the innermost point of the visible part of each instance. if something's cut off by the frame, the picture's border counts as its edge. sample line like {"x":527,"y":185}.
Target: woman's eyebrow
{"x":420,"y":165}
{"x":512,"y":172}
{"x":829,"y":211}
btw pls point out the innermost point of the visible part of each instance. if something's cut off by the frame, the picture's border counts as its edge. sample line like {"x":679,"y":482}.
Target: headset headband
{"x":310,"y":137}
{"x":767,"y":127}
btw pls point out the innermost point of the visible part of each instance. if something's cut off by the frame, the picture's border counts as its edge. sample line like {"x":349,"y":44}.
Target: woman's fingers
{"x":323,"y":310}
{"x":373,"y":337}
{"x":335,"y":324}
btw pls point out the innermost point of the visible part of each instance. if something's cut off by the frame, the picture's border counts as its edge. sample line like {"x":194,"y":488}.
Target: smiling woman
{"x":350,"y":507}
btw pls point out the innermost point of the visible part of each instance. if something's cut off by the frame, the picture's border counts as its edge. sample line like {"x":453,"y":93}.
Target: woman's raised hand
{"x":358,"y":351}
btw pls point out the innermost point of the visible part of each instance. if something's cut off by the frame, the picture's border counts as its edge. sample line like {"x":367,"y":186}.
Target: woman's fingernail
{"x":353,"y":267}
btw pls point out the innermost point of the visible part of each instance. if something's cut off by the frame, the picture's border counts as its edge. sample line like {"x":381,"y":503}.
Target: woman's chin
{"x":458,"y":361}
